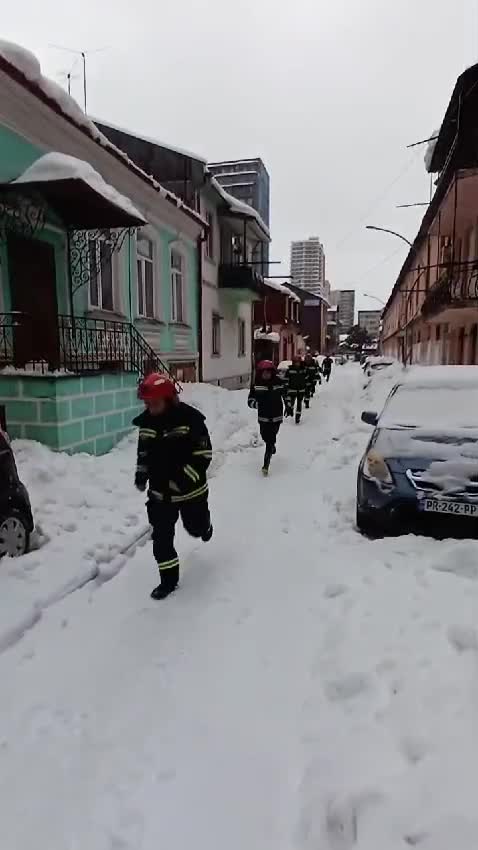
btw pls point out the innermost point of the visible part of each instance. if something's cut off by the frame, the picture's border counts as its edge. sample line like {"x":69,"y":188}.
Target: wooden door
{"x":32,"y":275}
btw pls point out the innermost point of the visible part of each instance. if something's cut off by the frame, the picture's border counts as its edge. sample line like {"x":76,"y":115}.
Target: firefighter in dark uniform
{"x":174,"y":452}
{"x":266,"y":395}
{"x":313,"y":373}
{"x":296,"y":383}
{"x":327,"y":367}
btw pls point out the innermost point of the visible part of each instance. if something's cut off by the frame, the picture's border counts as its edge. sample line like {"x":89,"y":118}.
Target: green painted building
{"x":98,"y":280}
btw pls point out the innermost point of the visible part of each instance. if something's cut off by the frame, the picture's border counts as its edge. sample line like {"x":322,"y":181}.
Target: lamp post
{"x":392,"y":232}
{"x":367,"y":295}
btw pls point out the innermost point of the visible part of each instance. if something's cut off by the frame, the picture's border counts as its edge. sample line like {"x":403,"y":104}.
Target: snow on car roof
{"x":440,"y":376}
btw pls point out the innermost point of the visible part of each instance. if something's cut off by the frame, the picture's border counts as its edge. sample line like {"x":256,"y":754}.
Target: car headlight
{"x":376,"y":468}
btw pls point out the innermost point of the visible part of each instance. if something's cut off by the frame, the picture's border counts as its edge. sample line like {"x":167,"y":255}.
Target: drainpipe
{"x":200,"y":241}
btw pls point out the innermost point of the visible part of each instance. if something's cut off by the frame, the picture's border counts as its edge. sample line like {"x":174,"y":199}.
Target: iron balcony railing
{"x":79,"y":345}
{"x":457,"y":286}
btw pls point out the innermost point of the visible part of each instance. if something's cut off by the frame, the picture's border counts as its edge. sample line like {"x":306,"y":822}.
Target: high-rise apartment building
{"x":344,"y":299}
{"x":370,"y":320}
{"x":246,"y":179}
{"x":307,"y":264}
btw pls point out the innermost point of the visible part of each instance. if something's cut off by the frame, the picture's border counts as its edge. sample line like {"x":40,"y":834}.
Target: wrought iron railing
{"x":79,"y":345}
{"x":457,"y":286}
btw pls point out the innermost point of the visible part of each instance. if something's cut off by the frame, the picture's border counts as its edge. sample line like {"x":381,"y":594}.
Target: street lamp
{"x":393,"y":233}
{"x":367,"y":295}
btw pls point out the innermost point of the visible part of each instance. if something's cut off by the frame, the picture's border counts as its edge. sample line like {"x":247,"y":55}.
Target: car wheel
{"x":14,"y":535}
{"x":366,"y":526}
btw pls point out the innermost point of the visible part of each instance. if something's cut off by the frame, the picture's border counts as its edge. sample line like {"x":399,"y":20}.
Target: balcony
{"x":242,"y":277}
{"x":455,"y":290}
{"x":80,"y":346}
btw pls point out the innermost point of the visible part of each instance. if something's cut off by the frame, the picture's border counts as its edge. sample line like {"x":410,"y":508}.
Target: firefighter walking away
{"x":174,"y":452}
{"x":327,"y":367}
{"x":266,"y":396}
{"x":296,"y":380}
{"x":312,"y":376}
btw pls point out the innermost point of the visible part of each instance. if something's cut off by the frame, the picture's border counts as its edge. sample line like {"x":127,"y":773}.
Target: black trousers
{"x":327,"y":376}
{"x":294,"y":396}
{"x":163,"y":517}
{"x":269,"y":431}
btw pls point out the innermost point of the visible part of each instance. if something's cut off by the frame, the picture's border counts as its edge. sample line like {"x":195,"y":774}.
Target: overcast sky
{"x":327,"y":92}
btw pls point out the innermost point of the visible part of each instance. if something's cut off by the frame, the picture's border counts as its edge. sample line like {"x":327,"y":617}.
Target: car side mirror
{"x":370,"y":417}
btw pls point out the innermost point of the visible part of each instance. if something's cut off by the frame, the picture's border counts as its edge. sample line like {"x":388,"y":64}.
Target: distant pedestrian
{"x":266,"y":396}
{"x":296,"y":384}
{"x":327,"y":367}
{"x":174,"y":452}
{"x":313,"y":373}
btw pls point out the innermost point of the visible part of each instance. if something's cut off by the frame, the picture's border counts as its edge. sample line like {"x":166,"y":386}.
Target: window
{"x":101,"y":272}
{"x":177,"y":287}
{"x":210,"y":236}
{"x":216,"y":335}
{"x":241,"y":338}
{"x":144,"y":262}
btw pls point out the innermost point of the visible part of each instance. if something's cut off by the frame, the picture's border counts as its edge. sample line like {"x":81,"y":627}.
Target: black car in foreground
{"x":16,"y":519}
{"x":419,"y":472}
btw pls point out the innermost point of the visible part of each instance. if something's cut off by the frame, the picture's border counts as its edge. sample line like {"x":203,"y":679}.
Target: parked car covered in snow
{"x":16,"y":520}
{"x":420,"y":468}
{"x":376,"y":364}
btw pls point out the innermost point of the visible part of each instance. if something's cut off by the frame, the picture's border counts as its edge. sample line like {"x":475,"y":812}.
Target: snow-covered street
{"x":305,"y":689}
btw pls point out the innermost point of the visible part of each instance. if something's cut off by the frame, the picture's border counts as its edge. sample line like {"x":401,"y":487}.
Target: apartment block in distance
{"x":344,"y":299}
{"x":369,"y":320}
{"x":307,"y":264}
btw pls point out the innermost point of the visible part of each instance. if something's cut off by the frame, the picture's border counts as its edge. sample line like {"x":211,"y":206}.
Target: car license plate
{"x":446,"y":506}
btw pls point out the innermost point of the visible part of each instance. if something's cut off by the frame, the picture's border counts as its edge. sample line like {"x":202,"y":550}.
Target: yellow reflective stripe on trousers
{"x":201,"y":491}
{"x":191,"y":473}
{"x":203,"y":453}
{"x":147,"y":432}
{"x":168,"y":565}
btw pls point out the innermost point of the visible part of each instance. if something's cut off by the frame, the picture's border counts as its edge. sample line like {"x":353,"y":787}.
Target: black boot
{"x":297,"y":418}
{"x":307,"y":404}
{"x":267,"y":461}
{"x":169,"y":583}
{"x":207,"y":535}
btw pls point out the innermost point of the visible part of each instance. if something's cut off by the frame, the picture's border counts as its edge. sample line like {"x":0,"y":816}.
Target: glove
{"x":140,"y":482}
{"x":252,"y":403}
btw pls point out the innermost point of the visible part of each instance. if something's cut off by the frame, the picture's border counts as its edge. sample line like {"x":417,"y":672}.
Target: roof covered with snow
{"x":152,"y":141}
{"x":57,"y":167}
{"x":237,"y":207}
{"x":24,"y":67}
{"x":282,"y":288}
{"x":271,"y":336}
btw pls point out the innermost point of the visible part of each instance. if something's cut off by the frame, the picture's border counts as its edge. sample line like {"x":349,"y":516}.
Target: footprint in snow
{"x":334,"y":590}
{"x":347,"y":687}
{"x":463,"y":638}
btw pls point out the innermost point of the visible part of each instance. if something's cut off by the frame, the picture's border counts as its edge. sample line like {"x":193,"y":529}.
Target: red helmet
{"x":156,"y":386}
{"x":265,"y":365}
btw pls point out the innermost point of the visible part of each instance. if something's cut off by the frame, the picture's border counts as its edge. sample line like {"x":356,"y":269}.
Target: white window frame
{"x":209,"y":244}
{"x":241,"y":338}
{"x":216,"y":335}
{"x":175,"y":275}
{"x":141,"y":262}
{"x":99,"y":276}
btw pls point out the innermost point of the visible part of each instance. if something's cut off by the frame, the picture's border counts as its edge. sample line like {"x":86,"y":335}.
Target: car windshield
{"x":434,"y":407}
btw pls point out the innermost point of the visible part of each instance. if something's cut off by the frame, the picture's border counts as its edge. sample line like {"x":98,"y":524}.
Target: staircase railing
{"x":80,"y":345}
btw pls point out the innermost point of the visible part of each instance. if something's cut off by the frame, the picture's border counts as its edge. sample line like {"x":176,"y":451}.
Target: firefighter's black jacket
{"x":313,"y":373}
{"x":174,"y":452}
{"x":267,"y":396}
{"x":296,"y":378}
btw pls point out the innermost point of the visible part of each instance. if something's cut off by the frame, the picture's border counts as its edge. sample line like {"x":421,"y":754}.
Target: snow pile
{"x":89,"y":511}
{"x":428,"y":406}
{"x":377,"y":387}
{"x":282,"y":288}
{"x":272,"y":336}
{"x":22,"y":59}
{"x":306,"y":687}
{"x":59,"y":166}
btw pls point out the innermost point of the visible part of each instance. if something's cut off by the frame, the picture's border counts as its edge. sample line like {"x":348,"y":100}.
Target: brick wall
{"x":68,"y":413}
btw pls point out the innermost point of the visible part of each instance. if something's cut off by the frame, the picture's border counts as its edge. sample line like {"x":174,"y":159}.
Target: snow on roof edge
{"x":151,"y":140}
{"x":54,"y":166}
{"x":27,"y":72}
{"x":239,"y":206}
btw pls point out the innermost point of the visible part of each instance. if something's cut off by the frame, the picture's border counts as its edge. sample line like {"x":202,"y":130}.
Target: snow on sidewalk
{"x":89,"y":511}
{"x":305,"y":688}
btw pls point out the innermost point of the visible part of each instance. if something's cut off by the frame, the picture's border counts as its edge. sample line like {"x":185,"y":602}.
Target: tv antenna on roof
{"x":83,"y":54}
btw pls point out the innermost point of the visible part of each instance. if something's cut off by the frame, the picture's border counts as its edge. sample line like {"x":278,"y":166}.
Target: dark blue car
{"x":419,"y":472}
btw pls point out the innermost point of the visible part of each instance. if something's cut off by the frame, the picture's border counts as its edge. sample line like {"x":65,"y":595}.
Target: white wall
{"x":227,"y":369}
